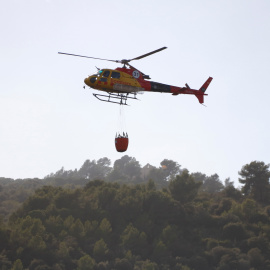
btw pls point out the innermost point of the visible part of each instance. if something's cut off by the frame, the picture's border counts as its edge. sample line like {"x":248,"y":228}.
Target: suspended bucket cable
{"x":121,"y":137}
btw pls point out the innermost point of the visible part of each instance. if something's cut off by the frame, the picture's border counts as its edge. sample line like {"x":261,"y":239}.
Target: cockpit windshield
{"x":98,"y":73}
{"x":102,"y":73}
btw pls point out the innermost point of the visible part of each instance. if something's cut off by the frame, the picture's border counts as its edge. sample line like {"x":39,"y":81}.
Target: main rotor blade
{"x":147,"y":54}
{"x":89,"y":57}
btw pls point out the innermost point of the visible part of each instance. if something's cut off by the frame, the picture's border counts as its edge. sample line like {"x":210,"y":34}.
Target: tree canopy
{"x":255,"y":179}
{"x":128,"y":219}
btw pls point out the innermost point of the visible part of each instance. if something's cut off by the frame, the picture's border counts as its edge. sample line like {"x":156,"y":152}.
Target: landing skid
{"x":119,"y":98}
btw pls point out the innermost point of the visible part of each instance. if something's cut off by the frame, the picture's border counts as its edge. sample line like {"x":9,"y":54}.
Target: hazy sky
{"x":48,"y":120}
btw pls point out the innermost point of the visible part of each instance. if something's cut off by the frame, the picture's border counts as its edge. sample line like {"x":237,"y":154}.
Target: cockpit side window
{"x":106,"y":73}
{"x":115,"y":75}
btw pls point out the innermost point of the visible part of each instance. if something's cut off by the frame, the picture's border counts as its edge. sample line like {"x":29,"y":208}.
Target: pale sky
{"x":48,"y":120}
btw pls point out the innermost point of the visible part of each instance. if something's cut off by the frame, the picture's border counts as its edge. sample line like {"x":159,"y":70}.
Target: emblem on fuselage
{"x":136,"y":74}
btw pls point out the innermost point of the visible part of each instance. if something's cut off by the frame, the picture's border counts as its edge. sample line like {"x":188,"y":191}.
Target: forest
{"x":124,"y":216}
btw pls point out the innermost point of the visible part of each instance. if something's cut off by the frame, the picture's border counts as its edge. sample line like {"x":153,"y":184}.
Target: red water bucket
{"x":121,"y":144}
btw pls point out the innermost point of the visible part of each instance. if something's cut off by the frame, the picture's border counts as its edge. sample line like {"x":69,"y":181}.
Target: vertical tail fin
{"x":203,"y":89}
{"x":206,"y":84}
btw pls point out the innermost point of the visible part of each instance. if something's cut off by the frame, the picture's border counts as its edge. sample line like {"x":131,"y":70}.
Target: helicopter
{"x":124,"y":83}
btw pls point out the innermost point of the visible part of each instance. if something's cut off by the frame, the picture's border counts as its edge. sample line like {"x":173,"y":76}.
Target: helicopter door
{"x":105,"y":80}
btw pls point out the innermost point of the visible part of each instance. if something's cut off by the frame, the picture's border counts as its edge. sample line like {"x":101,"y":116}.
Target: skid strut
{"x":118,"y":98}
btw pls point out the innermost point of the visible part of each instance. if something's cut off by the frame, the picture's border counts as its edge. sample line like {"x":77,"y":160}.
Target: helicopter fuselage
{"x":127,"y":80}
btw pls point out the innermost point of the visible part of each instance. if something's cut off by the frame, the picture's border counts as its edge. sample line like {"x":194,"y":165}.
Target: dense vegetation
{"x":128,"y":217}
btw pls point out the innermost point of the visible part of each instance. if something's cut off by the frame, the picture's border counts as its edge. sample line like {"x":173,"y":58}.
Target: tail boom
{"x":175,"y":90}
{"x":198,"y":93}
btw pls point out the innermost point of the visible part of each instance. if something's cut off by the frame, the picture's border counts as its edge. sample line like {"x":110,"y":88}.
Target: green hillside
{"x":174,"y":222}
